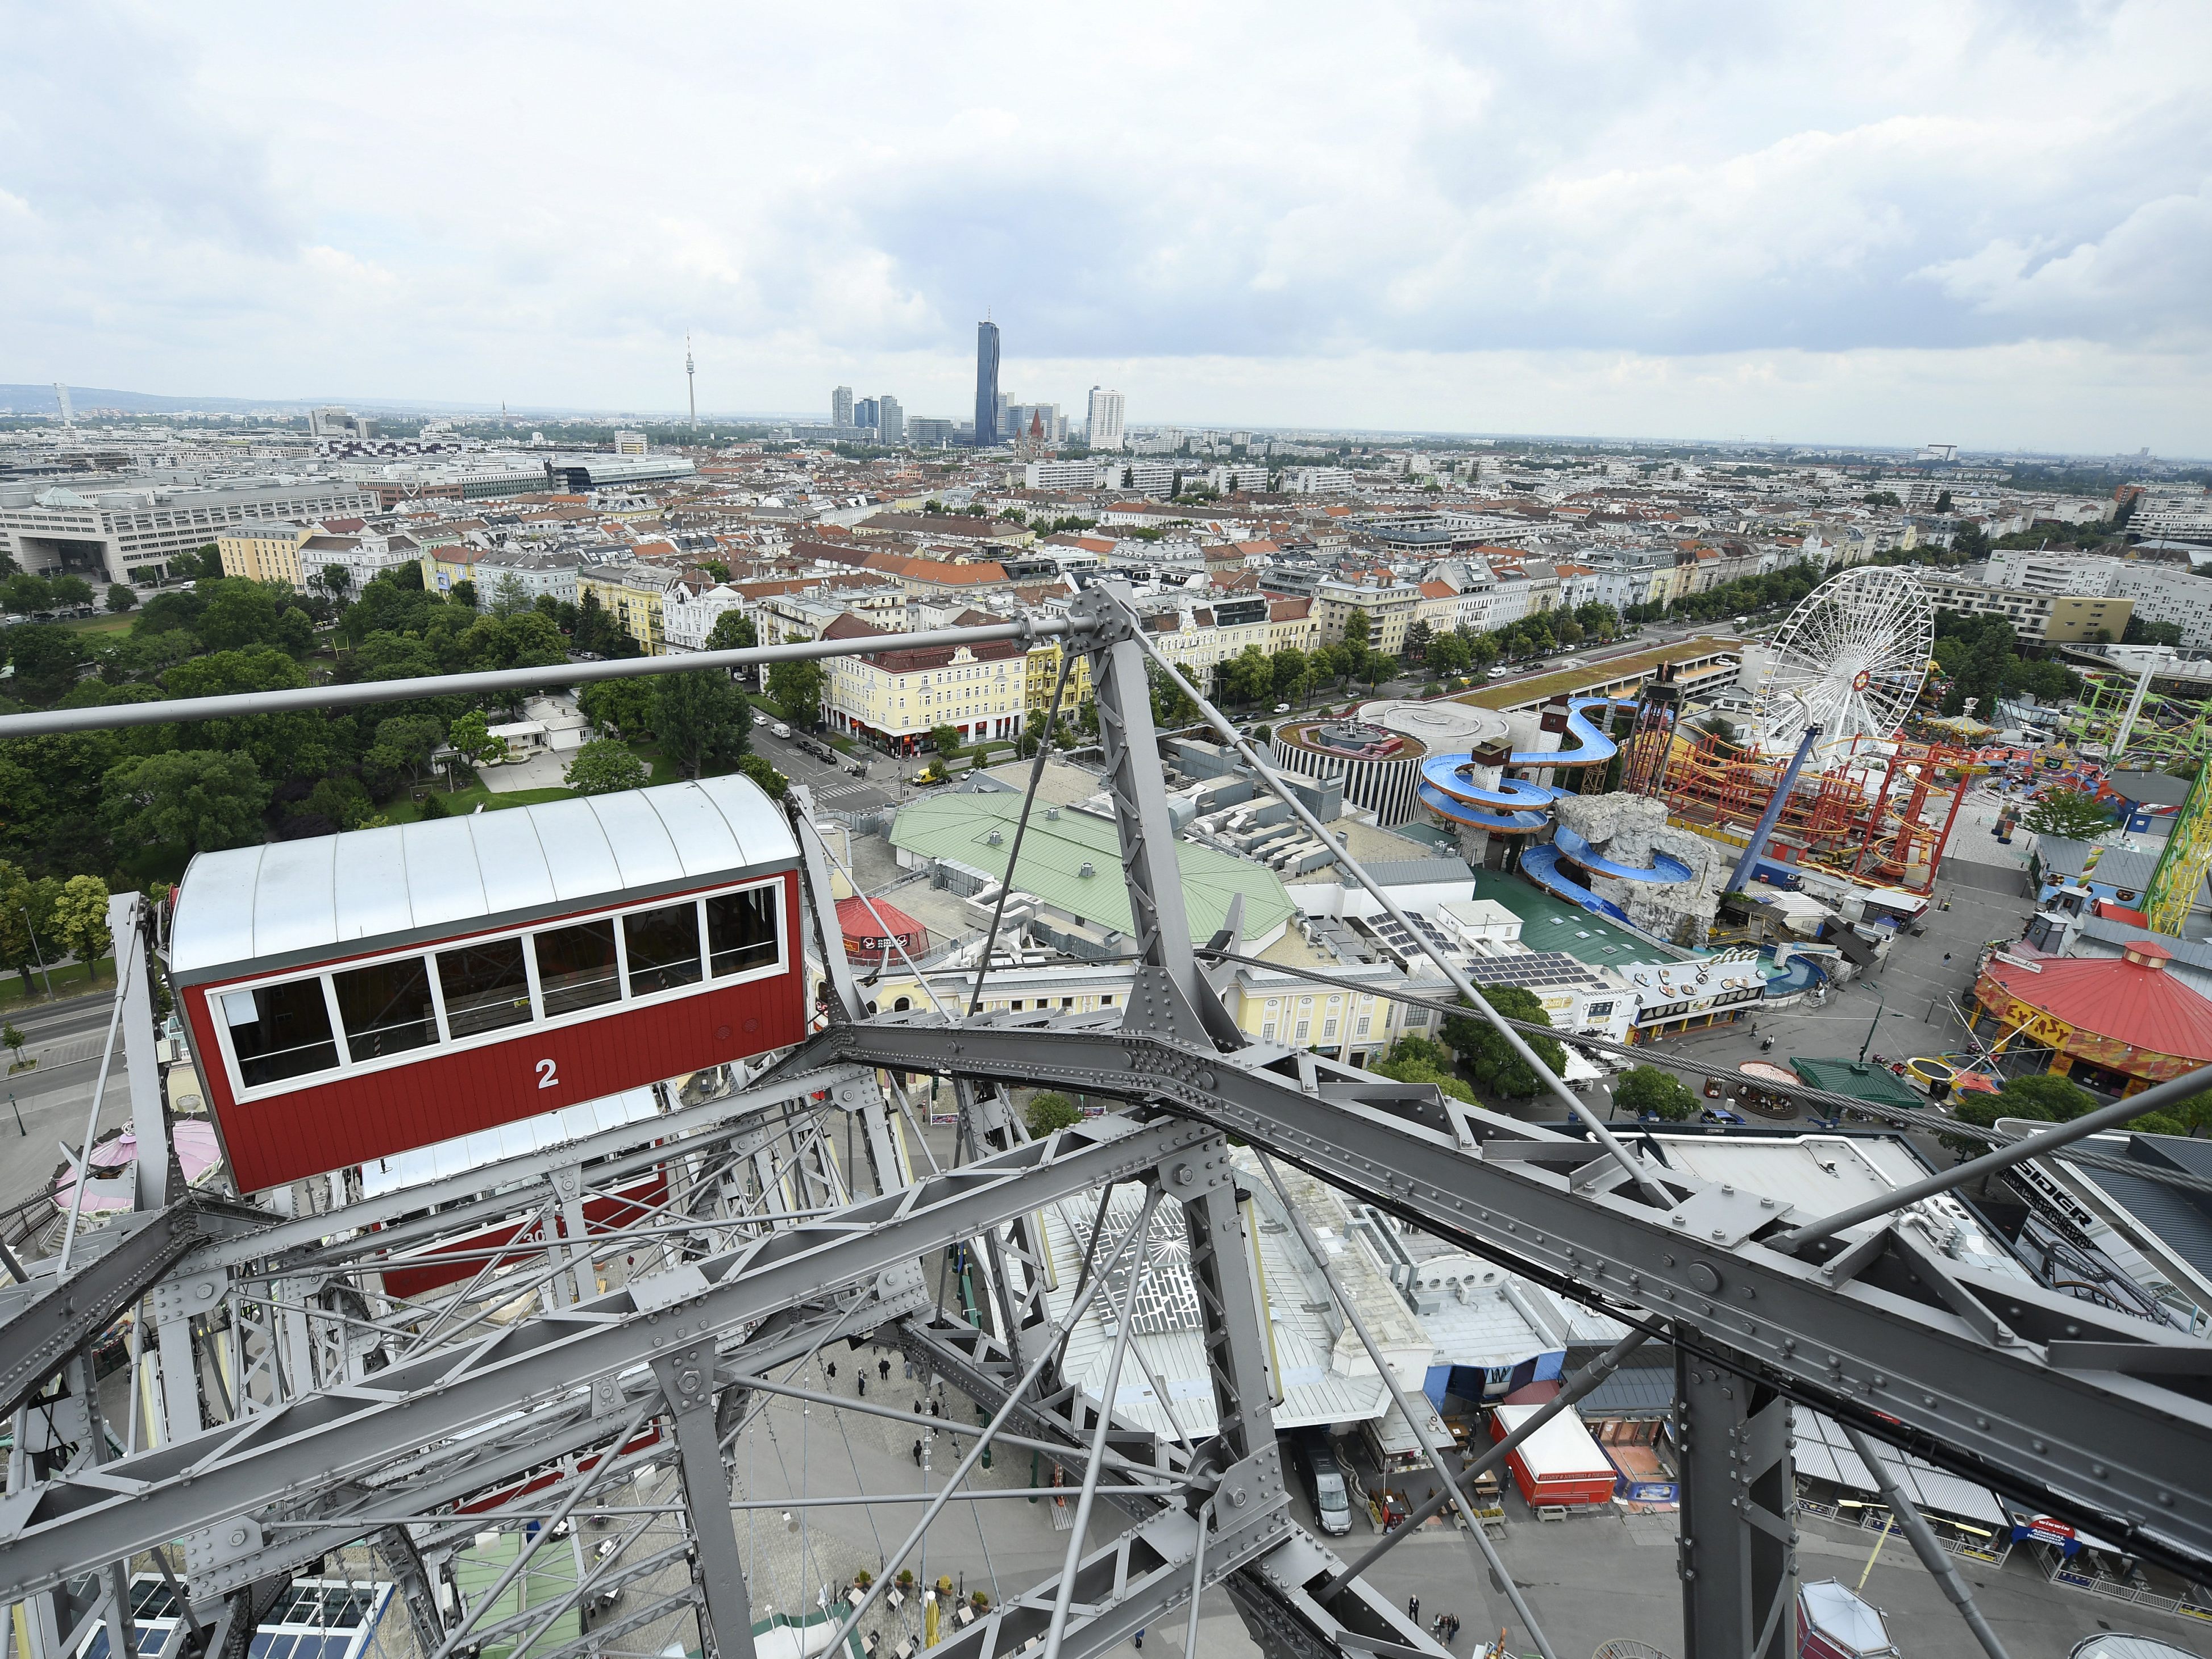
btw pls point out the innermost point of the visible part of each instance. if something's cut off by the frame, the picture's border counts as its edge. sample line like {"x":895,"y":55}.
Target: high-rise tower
{"x":987,"y":384}
{"x":691,"y":380}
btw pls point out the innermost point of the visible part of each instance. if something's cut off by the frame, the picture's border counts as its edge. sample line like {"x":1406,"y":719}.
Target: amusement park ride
{"x":577,"y":1329}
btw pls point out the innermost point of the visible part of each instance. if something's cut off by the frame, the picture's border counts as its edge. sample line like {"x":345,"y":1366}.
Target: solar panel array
{"x":1544,"y":968}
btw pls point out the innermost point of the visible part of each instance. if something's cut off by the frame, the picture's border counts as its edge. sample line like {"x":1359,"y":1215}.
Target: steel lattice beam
{"x":1958,"y":1369}
{"x":50,"y":1532}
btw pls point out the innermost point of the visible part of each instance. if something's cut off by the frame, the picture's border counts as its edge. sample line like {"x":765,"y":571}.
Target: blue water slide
{"x":1592,"y":745}
{"x":1541,"y":864}
{"x":1664,"y":871}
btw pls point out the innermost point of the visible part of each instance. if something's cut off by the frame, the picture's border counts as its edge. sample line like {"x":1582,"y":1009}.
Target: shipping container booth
{"x":1559,"y":1464}
{"x":354,"y":995}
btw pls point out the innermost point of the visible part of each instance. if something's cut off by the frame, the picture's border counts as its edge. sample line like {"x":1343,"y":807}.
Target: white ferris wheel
{"x":1850,"y":659}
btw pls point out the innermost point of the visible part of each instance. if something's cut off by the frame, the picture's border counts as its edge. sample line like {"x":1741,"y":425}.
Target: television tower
{"x":691,"y":380}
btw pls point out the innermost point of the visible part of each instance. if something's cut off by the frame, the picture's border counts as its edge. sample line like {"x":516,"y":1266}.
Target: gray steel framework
{"x":558,"y":1362}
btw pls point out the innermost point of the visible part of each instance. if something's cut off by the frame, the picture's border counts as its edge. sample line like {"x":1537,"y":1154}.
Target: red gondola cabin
{"x":354,"y":995}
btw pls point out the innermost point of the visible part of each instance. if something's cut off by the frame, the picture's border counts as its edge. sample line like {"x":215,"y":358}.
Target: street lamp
{"x":38,"y":954}
{"x":1880,"y":1006}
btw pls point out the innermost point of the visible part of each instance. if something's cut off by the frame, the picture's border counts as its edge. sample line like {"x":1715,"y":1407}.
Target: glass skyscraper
{"x":987,"y":384}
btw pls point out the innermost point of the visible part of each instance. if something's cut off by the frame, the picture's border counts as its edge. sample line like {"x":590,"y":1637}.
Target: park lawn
{"x":73,"y":980}
{"x":110,"y":622}
{"x":460,"y":803}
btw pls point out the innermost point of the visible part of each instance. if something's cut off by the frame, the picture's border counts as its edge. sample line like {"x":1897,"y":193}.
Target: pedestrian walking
{"x":917,"y":1454}
{"x":1140,"y":1639}
{"x":831,"y":1368}
{"x":1413,"y":1609}
{"x":860,"y":1384}
{"x":883,"y":1370}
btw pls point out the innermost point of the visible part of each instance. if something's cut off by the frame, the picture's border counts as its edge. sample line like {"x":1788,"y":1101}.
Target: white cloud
{"x":1226,"y":214}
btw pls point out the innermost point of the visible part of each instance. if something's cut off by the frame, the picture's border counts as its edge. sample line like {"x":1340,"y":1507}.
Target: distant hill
{"x":39,"y":400}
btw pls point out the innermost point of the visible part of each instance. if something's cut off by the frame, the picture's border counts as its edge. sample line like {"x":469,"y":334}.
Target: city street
{"x":46,"y":1104}
{"x":835,"y":788}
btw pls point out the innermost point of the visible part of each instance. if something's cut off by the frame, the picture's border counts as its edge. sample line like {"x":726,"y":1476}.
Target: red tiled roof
{"x":2131,"y":999}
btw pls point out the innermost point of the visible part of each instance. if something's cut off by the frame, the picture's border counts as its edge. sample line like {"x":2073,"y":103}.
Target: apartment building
{"x":1390,"y":603}
{"x":265,"y":551}
{"x":633,"y":595}
{"x":2040,"y":618}
{"x":535,"y":575}
{"x":2159,"y":592}
{"x":131,"y":535}
{"x":894,"y":699}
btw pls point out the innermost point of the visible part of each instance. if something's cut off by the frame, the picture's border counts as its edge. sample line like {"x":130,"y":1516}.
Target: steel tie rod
{"x":2003,"y":1158}
{"x":1576,"y":1386}
{"x":1479,"y":1542}
{"x":361,"y":692}
{"x":1925,"y":1545}
{"x":1213,"y":717}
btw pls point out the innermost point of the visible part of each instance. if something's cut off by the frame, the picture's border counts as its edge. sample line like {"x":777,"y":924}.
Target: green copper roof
{"x":1055,"y":850}
{"x":1553,"y":924}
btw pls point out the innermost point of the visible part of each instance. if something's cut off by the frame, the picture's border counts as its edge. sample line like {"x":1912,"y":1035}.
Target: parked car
{"x":1496,"y":673}
{"x":1721,"y":1115}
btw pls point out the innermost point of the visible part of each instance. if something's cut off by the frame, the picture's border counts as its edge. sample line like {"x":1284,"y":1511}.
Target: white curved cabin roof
{"x":298,"y":900}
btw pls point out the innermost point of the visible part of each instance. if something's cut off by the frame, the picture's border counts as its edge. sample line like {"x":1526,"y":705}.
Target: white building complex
{"x":1105,"y":424}
{"x":131,"y":535}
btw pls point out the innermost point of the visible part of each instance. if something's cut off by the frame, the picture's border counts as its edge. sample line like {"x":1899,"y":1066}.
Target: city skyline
{"x":1741,"y":225}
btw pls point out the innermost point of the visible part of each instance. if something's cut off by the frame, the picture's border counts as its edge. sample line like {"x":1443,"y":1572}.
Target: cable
{"x":1926,"y":1122}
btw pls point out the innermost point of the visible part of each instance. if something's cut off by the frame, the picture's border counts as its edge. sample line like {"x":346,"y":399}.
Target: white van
{"x":781,"y":729}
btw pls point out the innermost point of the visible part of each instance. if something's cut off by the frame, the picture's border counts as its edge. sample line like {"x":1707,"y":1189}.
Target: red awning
{"x":2132,"y":999}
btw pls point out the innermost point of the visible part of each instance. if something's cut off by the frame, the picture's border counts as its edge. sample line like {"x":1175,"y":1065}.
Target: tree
{"x":193,"y":800}
{"x":944,"y":739}
{"x":1049,"y":1111}
{"x":1943,"y":502}
{"x":24,"y":593}
{"x":14,"y":1038}
{"x":772,"y":782}
{"x":47,"y":661}
{"x":604,"y":768}
{"x":2076,"y":814}
{"x":1419,"y":636}
{"x":1650,"y":1092}
{"x":71,"y":590}
{"x":121,"y":596}
{"x":797,"y":687}
{"x":2140,"y":632}
{"x":624,"y":706}
{"x":509,"y":595}
{"x":702,"y":719}
{"x":1356,"y":628}
{"x":1420,"y":1060}
{"x":1490,"y":1057}
{"x":732,"y":631}
{"x":463,"y":593}
{"x":338,"y":581}
{"x":399,"y":752}
{"x":2048,"y":1099}
{"x":470,"y":737}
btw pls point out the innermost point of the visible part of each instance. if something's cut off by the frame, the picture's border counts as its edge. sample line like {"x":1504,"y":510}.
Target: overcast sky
{"x":1990,"y":225}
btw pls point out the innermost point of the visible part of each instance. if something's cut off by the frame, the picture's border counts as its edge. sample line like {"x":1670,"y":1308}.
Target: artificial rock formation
{"x":1629,"y":829}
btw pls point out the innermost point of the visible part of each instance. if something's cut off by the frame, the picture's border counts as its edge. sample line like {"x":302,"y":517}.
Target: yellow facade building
{"x":266,"y":551}
{"x":633,"y":595}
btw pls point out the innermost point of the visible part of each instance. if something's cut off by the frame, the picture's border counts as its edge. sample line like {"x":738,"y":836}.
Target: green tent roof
{"x":1055,"y":850}
{"x":1861,"y":1079}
